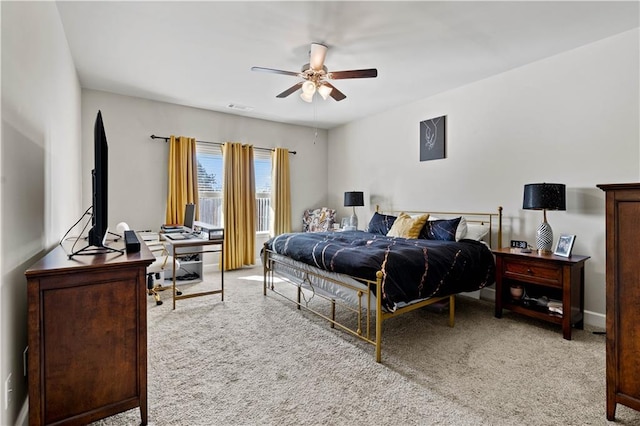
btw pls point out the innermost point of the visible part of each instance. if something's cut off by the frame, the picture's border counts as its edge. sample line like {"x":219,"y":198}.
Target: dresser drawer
{"x":534,"y":272}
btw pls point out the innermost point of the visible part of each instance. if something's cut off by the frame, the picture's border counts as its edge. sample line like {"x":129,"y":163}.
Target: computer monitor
{"x":189,"y":215}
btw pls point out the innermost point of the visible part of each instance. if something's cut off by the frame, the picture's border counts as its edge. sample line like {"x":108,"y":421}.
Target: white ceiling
{"x":200,"y":54}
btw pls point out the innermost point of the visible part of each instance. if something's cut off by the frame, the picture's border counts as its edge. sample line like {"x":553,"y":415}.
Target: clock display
{"x":519,"y":244}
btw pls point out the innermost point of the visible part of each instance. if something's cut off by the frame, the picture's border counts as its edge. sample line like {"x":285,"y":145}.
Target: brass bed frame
{"x":364,"y":309}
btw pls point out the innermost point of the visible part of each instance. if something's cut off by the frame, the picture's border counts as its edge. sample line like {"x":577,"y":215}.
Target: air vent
{"x":239,"y":107}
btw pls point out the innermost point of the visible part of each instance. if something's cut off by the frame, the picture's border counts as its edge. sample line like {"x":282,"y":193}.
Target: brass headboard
{"x":492,"y":220}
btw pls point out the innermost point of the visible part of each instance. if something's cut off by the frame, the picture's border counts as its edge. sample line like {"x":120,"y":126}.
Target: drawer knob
{"x":529,"y":271}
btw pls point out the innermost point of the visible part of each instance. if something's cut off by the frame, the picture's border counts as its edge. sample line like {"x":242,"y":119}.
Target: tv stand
{"x":87,"y":331}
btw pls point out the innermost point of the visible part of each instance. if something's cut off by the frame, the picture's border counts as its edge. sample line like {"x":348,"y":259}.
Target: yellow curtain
{"x":183,"y":178}
{"x":280,"y":192}
{"x":239,"y":200}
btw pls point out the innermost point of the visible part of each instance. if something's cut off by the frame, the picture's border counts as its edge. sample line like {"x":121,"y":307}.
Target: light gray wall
{"x":138,"y":164}
{"x":40,"y":166}
{"x":572,"y":119}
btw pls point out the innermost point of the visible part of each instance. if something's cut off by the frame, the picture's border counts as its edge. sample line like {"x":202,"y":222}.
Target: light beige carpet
{"x":256,"y":360}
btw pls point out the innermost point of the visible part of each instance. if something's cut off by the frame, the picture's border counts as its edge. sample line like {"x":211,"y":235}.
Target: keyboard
{"x":176,"y":237}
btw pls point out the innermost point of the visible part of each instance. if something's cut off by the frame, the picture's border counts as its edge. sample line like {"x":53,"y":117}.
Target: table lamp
{"x":353,"y":199}
{"x":544,"y":196}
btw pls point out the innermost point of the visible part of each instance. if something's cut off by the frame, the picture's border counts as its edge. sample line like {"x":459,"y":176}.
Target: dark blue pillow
{"x":441,"y":229}
{"x":380,"y":223}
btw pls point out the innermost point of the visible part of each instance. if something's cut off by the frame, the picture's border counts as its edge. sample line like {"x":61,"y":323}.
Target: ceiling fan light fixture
{"x":324,"y":91}
{"x":314,"y":75}
{"x":308,"y":88}
{"x":307,"y":97}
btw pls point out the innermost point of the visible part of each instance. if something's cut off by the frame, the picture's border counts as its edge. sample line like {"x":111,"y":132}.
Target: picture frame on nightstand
{"x":564,"y":245}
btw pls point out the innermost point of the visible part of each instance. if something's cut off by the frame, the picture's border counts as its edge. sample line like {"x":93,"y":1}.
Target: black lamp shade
{"x":354,"y":198}
{"x":544,"y":196}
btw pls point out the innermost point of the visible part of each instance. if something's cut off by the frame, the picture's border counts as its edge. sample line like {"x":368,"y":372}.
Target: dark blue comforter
{"x":412,"y":268}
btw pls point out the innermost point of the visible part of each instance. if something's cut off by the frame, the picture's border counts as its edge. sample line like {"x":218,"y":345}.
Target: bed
{"x":403,"y":261}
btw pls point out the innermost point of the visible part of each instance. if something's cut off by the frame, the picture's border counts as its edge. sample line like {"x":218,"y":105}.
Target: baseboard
{"x":212,"y":267}
{"x":472,"y":294}
{"x":591,"y":319}
{"x":595,"y":320}
{"x":488,"y":293}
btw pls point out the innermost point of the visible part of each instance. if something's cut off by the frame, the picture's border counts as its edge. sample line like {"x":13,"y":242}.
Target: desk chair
{"x":155,"y":271}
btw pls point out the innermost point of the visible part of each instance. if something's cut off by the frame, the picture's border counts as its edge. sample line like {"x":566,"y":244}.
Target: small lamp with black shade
{"x":544,"y":196}
{"x":353,"y":199}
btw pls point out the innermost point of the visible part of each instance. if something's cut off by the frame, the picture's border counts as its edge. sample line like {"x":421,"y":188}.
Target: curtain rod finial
{"x":159,"y":137}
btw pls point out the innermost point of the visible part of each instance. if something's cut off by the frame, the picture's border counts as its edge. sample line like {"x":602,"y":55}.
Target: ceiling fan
{"x":315,"y":75}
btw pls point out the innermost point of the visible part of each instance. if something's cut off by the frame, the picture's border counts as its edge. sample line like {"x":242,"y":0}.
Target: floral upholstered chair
{"x":318,"y":220}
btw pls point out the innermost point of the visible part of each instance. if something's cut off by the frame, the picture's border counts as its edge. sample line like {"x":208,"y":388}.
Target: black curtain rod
{"x":166,"y":139}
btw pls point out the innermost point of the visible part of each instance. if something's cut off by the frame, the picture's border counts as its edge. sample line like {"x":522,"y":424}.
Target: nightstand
{"x":541,"y":276}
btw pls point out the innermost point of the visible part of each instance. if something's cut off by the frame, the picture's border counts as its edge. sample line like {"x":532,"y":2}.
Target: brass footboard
{"x":364,"y":310}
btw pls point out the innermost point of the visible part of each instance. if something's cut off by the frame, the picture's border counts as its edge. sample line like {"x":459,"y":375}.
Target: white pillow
{"x":461,"y":231}
{"x":476,"y":231}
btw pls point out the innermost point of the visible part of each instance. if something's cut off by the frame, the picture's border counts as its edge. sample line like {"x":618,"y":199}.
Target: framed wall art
{"x":432,"y":139}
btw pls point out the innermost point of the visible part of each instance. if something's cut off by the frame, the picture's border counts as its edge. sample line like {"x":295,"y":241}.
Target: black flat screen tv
{"x":100,"y":183}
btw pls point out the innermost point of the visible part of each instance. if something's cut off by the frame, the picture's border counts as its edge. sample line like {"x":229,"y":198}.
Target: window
{"x":210,"y":174}
{"x":210,"y":181}
{"x":262,"y":167}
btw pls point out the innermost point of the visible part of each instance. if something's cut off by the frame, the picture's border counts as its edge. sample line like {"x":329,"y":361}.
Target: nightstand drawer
{"x":529,"y":271}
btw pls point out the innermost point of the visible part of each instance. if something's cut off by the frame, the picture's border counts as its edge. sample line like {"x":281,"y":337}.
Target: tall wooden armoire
{"x":623,"y":295}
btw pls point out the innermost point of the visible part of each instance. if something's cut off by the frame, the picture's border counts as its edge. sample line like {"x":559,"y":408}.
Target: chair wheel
{"x":159,"y":302}
{"x":179,"y":293}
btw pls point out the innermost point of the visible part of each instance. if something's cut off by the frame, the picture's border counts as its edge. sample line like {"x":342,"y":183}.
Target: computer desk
{"x":198,"y":246}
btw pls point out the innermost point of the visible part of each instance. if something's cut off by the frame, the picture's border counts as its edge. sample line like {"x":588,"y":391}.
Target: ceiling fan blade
{"x":335,"y":93}
{"x":316,"y":56}
{"x":290,"y":90}
{"x":368,"y":73}
{"x":274,"y":71}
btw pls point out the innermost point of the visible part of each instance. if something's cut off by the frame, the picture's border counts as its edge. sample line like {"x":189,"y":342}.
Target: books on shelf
{"x":555,"y":306}
{"x":171,"y":226}
{"x":170,"y":229}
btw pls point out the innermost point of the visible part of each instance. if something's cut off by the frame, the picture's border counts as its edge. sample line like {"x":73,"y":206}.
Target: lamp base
{"x":544,"y":238}
{"x":353,"y":221}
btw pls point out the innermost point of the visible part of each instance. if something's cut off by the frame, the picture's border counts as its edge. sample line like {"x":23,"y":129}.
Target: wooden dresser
{"x":623,"y":295}
{"x":87,"y":325}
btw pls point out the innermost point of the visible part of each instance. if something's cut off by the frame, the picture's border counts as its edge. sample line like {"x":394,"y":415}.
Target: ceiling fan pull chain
{"x":315,"y":122}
